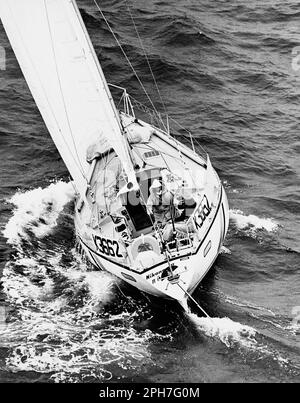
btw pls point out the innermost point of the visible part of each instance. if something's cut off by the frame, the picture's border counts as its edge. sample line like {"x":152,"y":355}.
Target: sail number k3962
{"x":107,"y":246}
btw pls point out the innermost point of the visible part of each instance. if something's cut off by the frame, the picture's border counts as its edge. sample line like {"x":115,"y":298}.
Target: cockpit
{"x":140,"y":212}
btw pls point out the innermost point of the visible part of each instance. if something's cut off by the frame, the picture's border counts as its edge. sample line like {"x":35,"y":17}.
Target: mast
{"x":105,"y":84}
{"x":66,"y":80}
{"x":92,"y":49}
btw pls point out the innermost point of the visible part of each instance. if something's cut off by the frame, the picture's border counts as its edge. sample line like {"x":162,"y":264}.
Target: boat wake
{"x":264,"y":314}
{"x":251,"y":223}
{"x":73,"y":324}
{"x":227,"y":331}
{"x":36,"y":211}
{"x":245,"y":339}
{"x":225,"y":251}
{"x":64,"y":320}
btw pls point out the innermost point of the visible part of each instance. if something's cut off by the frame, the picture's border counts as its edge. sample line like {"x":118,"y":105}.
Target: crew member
{"x":162,"y":204}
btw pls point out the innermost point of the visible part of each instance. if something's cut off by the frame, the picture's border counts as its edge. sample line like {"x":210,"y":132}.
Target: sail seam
{"x":61,"y":91}
{"x":92,"y":51}
{"x":44,"y":91}
{"x":126,"y":144}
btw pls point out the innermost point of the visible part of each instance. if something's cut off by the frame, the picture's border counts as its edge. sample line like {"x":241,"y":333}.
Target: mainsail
{"x":66,"y":80}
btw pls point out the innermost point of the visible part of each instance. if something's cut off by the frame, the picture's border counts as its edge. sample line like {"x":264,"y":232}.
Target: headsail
{"x":66,"y":80}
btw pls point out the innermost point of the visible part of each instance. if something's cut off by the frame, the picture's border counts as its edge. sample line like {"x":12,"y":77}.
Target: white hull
{"x":192,"y":267}
{"x":163,"y":247}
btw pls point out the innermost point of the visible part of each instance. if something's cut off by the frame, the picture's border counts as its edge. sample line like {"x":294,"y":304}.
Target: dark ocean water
{"x":228,"y":71}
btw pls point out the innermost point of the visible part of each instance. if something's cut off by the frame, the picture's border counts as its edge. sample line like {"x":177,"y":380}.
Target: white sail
{"x":66,"y":80}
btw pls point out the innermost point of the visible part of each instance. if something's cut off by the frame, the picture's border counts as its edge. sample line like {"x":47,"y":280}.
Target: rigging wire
{"x":150,"y":68}
{"x":125,"y":55}
{"x":144,"y":108}
{"x":146,"y":56}
{"x":196,"y":303}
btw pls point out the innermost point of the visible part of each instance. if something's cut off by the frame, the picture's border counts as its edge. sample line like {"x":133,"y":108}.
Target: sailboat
{"x":149,"y":209}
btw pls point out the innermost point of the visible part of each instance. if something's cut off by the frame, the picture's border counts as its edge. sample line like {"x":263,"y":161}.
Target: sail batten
{"x":64,"y":75}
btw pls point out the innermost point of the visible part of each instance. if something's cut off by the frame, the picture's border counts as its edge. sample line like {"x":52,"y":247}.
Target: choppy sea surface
{"x":229,"y":71}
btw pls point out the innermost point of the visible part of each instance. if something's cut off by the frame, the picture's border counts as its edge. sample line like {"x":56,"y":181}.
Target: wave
{"x":76,"y":352}
{"x":68,"y":322}
{"x":183,"y":32}
{"x":65,"y":320}
{"x":226,"y":330}
{"x":36,"y":211}
{"x":279,"y":322}
{"x":252,"y":223}
{"x":266,"y":13}
{"x":288,"y":202}
{"x":225,"y":251}
{"x":246,"y":339}
{"x":245,"y":304}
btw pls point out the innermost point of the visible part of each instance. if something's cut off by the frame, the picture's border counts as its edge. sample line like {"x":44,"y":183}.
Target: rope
{"x":125,"y":55}
{"x":195,"y":302}
{"x":146,"y":57}
{"x":156,"y":229}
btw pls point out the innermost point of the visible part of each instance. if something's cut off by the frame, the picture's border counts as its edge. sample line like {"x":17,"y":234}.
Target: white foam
{"x":59,"y":327}
{"x":58,"y":336}
{"x":294,"y":328}
{"x":253,"y":222}
{"x":234,"y":334}
{"x":37,"y":210}
{"x":226,"y":330}
{"x":225,"y":251}
{"x":73,"y":351}
{"x":18,"y":287}
{"x":100,"y":284}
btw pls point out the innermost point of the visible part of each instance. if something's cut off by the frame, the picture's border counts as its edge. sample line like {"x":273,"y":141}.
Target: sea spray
{"x":225,"y":251}
{"x":226,"y":330}
{"x":59,"y":324}
{"x":252,"y":222}
{"x":37,"y":211}
{"x":246,"y":338}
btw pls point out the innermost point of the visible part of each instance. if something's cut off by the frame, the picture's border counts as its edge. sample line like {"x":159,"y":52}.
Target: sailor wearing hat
{"x":161,"y":203}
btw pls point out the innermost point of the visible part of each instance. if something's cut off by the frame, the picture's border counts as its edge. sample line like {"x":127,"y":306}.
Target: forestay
{"x":66,"y":80}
